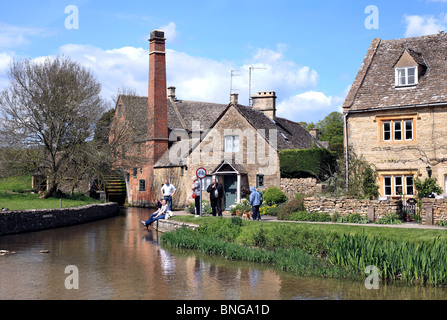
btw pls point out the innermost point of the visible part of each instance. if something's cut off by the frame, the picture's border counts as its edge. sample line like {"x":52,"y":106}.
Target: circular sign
{"x":201,"y":173}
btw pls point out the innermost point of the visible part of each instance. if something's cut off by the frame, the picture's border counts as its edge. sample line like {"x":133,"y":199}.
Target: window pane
{"x":235,"y":143}
{"x":387,"y":185}
{"x":228,"y":144}
{"x":409,"y":130}
{"x":409,"y":185}
{"x":387,"y":131}
{"x":411,"y":79}
{"x":401,"y":77}
{"x":397,"y":130}
{"x":398,"y":185}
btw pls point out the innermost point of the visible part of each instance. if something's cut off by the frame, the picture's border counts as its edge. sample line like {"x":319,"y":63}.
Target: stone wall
{"x":374,"y":209}
{"x":305,"y":186}
{"x":12,"y":222}
{"x":163,"y":225}
{"x":432,"y":211}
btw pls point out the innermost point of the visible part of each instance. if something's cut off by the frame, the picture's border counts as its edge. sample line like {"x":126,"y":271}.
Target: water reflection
{"x":119,"y":259}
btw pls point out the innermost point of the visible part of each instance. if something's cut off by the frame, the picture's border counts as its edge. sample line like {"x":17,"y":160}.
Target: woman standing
{"x":196,"y":194}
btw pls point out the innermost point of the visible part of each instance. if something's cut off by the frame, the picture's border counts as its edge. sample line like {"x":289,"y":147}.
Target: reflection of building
{"x":172,"y":138}
{"x":396,"y":111}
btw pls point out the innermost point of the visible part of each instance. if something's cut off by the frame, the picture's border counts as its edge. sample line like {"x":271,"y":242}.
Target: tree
{"x":51,"y":106}
{"x":331,"y":128}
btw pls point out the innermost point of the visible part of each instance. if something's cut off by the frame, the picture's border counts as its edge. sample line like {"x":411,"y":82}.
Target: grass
{"x":411,"y":256}
{"x":15,"y":194}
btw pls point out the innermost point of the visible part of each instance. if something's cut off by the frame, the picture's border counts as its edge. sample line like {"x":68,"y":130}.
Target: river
{"x":119,"y":259}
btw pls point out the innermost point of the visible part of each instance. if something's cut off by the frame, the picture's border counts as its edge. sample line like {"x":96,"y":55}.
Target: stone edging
{"x":13,"y":222}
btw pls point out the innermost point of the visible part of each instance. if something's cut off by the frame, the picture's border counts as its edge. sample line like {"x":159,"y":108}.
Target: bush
{"x":290,"y":207}
{"x":352,"y":218}
{"x":274,"y":195}
{"x":427,"y":187}
{"x":305,"y":163}
{"x":309,"y":216}
{"x":389,"y":218}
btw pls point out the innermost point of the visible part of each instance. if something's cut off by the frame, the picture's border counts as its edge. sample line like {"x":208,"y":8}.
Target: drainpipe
{"x":345,"y":125}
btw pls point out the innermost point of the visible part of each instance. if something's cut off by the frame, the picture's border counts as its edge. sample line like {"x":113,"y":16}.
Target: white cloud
{"x":310,"y":106}
{"x":424,"y":25}
{"x":13,"y":36}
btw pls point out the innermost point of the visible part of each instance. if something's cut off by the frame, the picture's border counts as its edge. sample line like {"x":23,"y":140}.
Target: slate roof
{"x":181,"y":114}
{"x":374,"y":87}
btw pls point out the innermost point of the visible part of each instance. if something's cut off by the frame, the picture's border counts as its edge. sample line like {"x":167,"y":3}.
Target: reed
{"x":422,"y":262}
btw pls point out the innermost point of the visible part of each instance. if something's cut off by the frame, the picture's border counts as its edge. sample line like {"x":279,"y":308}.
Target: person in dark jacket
{"x":216,"y":192}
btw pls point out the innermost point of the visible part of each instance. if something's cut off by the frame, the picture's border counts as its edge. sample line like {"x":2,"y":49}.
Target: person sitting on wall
{"x":159,"y":214}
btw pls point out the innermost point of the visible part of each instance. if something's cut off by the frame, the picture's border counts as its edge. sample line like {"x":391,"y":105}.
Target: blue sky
{"x":309,"y":52}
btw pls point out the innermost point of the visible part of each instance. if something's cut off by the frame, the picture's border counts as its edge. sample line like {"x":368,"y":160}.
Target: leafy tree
{"x":51,"y":106}
{"x":427,"y":187}
{"x":331,"y":128}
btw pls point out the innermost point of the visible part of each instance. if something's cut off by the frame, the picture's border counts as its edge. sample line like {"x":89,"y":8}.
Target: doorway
{"x":230,"y":189}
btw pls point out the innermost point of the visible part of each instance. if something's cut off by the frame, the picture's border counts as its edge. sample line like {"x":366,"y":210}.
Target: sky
{"x":308,"y":52}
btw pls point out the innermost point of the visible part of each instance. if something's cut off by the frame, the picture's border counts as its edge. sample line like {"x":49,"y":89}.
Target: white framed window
{"x":408,"y":130}
{"x":387,"y":186}
{"x":398,"y":185}
{"x":231,"y":143}
{"x":406,"y":76}
{"x":397,"y":130}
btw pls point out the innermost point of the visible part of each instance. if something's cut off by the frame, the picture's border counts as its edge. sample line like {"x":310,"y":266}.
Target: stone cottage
{"x":396,"y":112}
{"x":164,"y":137}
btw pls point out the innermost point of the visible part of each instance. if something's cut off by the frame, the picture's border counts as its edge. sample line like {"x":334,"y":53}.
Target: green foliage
{"x":309,"y":216}
{"x":352,"y":218}
{"x":274,"y":195}
{"x":294,"y":205}
{"x":389,"y":218}
{"x":362,"y":178}
{"x":427,"y":187}
{"x":304,"y":163}
{"x":421,"y":262}
{"x":16,"y":184}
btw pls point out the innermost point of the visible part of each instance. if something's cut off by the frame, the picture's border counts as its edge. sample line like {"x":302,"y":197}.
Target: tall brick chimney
{"x":157,"y":98}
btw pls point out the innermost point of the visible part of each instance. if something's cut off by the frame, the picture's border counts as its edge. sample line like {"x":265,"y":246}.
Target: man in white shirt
{"x":168,"y":191}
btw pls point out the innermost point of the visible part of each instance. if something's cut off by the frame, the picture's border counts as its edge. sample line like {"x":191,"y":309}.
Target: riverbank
{"x":409,"y":254}
{"x":12,"y":222}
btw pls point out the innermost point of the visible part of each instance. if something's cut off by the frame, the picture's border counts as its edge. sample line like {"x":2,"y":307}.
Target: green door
{"x":230,"y":188}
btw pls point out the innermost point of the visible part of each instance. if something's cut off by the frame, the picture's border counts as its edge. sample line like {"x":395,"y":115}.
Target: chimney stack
{"x":171,"y":93}
{"x":234,"y":98}
{"x":266,"y":102}
{"x":315,"y":133}
{"x":157,"y":100}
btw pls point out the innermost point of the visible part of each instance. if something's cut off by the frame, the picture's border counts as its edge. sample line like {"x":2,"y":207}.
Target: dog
{"x":246,"y":216}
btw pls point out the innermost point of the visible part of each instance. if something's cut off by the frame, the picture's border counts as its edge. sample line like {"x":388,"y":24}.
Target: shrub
{"x":290,"y":207}
{"x":309,"y":216}
{"x":274,"y":195}
{"x":304,"y":163}
{"x":427,"y":187}
{"x":353,"y":218}
{"x":389,"y":218}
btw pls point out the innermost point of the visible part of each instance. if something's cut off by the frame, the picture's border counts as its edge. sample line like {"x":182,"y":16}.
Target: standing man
{"x":255,"y":202}
{"x":216,"y":193}
{"x":168,"y":191}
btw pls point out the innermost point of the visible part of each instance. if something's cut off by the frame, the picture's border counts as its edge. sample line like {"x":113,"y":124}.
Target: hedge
{"x":305,"y":163}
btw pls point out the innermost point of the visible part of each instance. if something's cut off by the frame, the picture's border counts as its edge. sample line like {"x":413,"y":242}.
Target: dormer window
{"x":406,"y":76}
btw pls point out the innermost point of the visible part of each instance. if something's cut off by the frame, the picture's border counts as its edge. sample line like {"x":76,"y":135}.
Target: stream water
{"x":119,"y":259}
